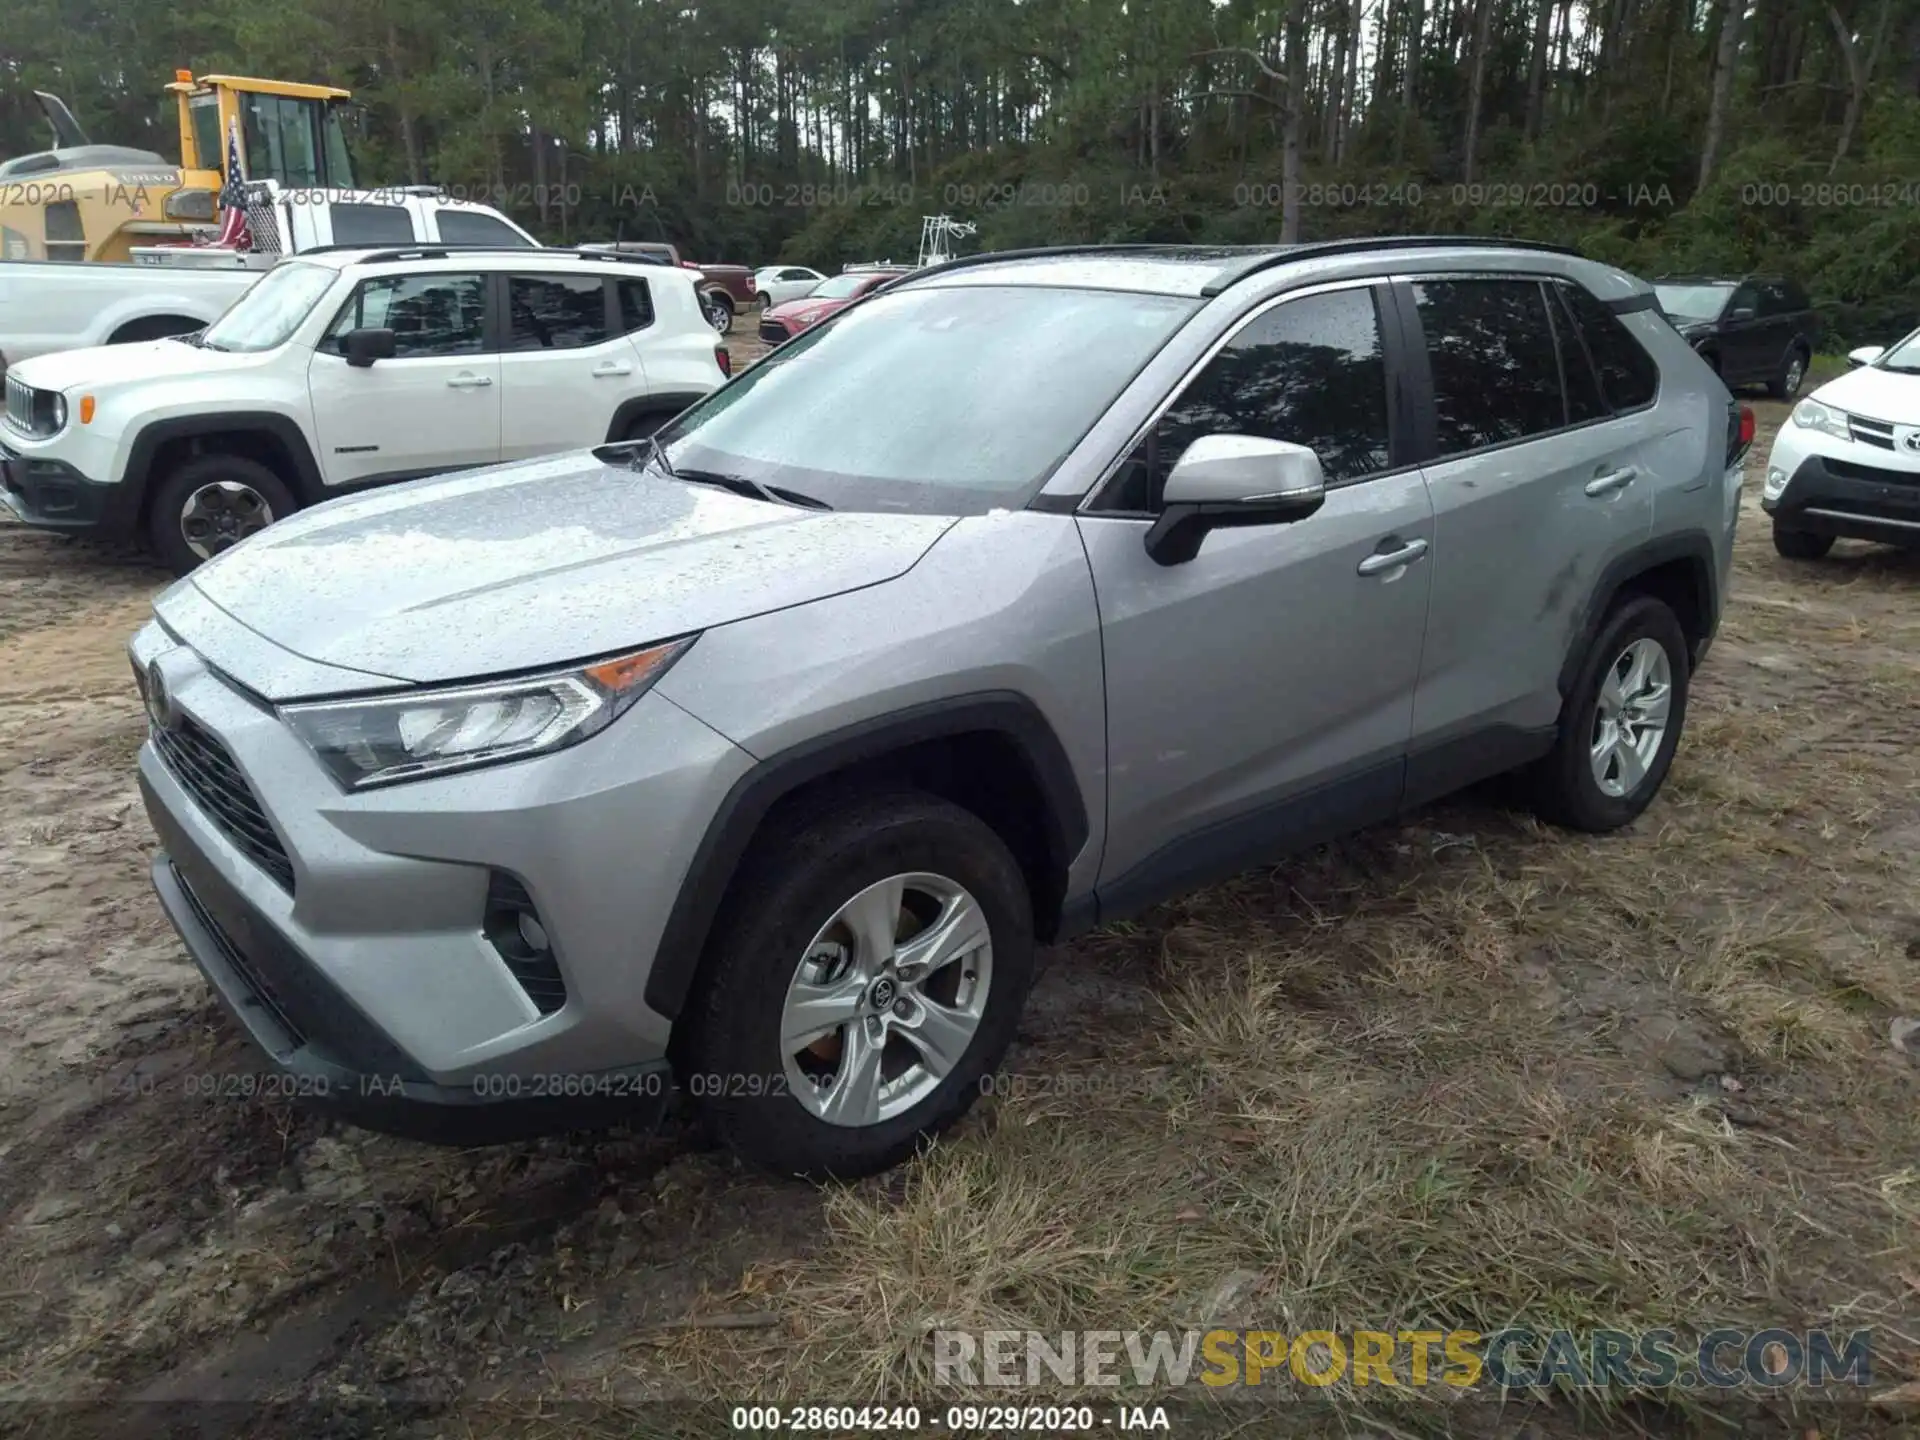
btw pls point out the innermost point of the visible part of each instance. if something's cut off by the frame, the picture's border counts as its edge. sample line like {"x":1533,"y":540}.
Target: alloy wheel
{"x":1796,"y":372}
{"x":1630,"y":717}
{"x":886,"y":1000}
{"x":219,"y":515}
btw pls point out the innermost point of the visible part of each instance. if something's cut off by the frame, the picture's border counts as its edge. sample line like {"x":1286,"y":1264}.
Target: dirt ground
{"x":1464,"y":1070}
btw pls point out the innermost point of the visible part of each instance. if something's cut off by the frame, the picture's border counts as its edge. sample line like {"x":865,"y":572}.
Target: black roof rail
{"x":1041,"y":252}
{"x":431,"y":250}
{"x":1315,"y":249}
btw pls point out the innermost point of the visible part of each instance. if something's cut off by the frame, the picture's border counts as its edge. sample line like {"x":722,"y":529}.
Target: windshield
{"x":1693,"y":302}
{"x":1902,"y":355}
{"x":840,"y":287}
{"x":947,"y":401}
{"x":272,"y":309}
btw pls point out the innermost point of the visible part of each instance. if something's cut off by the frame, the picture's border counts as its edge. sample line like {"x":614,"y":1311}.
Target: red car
{"x":783,"y":322}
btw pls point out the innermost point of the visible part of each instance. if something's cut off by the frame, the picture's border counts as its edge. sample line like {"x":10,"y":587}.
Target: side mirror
{"x":1865,"y":355}
{"x":363,"y":347}
{"x":1740,"y":312}
{"x":1225,"y":481}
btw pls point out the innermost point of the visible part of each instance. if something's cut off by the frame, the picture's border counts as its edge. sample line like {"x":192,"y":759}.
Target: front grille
{"x":241,"y":966}
{"x":773,"y":332}
{"x":509,"y":906}
{"x":202,"y":764}
{"x":1870,"y":432}
{"x":30,"y":411}
{"x":1854,"y":471}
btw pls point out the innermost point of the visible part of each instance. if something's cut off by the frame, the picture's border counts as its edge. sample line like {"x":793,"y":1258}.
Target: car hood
{"x":522,"y":566}
{"x":1877,"y":394}
{"x":805,"y":311}
{"x":99,"y":366}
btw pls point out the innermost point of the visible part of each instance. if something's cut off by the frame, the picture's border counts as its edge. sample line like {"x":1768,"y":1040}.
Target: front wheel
{"x":1800,"y":544}
{"x":719,"y":311}
{"x":212,"y":503}
{"x":1621,"y":723}
{"x":865,"y":980}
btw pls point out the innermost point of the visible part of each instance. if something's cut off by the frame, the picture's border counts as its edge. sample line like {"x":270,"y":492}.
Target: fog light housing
{"x":1776,"y":482}
{"x":513,"y":927}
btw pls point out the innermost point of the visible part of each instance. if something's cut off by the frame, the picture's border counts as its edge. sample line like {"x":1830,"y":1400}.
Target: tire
{"x":1566,"y":788}
{"x":1800,"y":544}
{"x":234,"y":478}
{"x":1791,"y":375}
{"x":783,"y":917}
{"x":763,"y":300}
{"x":718,"y":309}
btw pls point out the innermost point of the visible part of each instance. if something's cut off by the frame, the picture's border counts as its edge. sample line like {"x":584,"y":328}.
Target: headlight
{"x":382,"y":740}
{"x":59,"y":409}
{"x":1812,"y":415}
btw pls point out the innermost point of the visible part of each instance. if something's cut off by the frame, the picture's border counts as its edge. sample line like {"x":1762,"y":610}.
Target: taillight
{"x":1740,"y":432}
{"x":723,"y":360}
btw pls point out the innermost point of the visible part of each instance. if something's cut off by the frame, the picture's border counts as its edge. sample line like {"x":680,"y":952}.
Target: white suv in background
{"x":347,"y":369}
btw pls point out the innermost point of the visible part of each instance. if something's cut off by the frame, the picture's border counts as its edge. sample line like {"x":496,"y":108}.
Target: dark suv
{"x":1756,"y":330}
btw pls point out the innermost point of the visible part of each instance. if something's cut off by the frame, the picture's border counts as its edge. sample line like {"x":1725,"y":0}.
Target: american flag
{"x":234,"y":234}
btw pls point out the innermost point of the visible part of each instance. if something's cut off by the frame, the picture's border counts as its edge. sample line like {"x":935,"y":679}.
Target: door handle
{"x":1380,"y":562}
{"x":469,"y":382}
{"x":612,"y":367}
{"x":1612,"y":480}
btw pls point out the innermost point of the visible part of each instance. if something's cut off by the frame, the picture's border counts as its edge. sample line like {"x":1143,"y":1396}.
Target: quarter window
{"x":556,"y":312}
{"x":1496,"y":373}
{"x":1628,"y":376}
{"x":428,"y":314}
{"x":636,"y":306}
{"x":1309,"y":371}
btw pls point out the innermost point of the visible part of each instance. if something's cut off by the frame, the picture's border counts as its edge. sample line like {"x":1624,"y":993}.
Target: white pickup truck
{"x":47,"y":306}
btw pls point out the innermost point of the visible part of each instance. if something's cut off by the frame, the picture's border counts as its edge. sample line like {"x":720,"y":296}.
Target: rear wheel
{"x":1621,"y":724}
{"x":210,"y":504}
{"x":869,"y":973}
{"x":1791,"y":375}
{"x":1800,"y":544}
{"x":718,"y":309}
{"x":763,"y":300}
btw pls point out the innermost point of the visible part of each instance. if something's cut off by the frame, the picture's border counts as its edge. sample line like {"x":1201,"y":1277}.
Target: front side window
{"x":272,"y":309}
{"x":797,"y":275}
{"x":210,"y":145}
{"x":1629,"y":378}
{"x":437,"y":314}
{"x":469,"y":227}
{"x":556,"y":312}
{"x":1309,"y":371}
{"x":356,"y":224}
{"x":1490,"y":346}
{"x":982,"y":390}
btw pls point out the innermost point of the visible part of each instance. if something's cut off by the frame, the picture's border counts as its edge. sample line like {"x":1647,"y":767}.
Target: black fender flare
{"x":737,"y":820}
{"x":1693,"y":546}
{"x":305,"y":480}
{"x":666,"y":402}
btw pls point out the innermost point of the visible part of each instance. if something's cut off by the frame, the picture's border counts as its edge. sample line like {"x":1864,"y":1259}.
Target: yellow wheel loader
{"x":81,"y":201}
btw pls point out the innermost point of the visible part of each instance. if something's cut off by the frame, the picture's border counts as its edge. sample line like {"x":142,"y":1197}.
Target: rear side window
{"x":469,"y":227}
{"x":636,"y":306}
{"x":1309,"y":371}
{"x":1496,"y":372}
{"x":1628,"y":376}
{"x":556,"y":312}
{"x":369,"y":224}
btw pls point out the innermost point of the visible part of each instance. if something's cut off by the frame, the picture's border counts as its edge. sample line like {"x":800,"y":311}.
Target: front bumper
{"x":1854,"y":499}
{"x":773,"y":332}
{"x":53,"y":495}
{"x":346,"y":933}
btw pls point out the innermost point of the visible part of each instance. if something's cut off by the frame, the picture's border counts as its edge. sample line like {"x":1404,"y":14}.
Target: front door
{"x":1260,"y":695}
{"x":434,"y":406}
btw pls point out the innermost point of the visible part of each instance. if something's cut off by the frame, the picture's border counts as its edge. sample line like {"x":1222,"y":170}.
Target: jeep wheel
{"x":868,"y":974}
{"x":211,"y":503}
{"x":1621,"y":723}
{"x":1791,"y":375}
{"x":1800,"y":544}
{"x":718,"y":310}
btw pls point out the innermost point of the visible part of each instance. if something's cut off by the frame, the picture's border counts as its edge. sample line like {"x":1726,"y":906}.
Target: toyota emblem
{"x":159,"y":702}
{"x":1912,"y":440}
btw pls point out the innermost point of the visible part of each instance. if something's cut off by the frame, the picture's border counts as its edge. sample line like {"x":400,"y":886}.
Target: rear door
{"x":1744,"y":348}
{"x":434,"y":406}
{"x":1536,"y":485}
{"x":566,"y":365}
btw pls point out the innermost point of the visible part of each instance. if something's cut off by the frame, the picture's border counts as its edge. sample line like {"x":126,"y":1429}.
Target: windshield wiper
{"x":752,"y":489}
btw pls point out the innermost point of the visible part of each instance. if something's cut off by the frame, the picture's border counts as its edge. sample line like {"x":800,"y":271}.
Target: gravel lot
{"x":1465,"y":1068}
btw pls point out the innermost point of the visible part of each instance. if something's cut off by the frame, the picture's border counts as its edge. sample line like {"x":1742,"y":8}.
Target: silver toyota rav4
{"x":757,"y":760}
